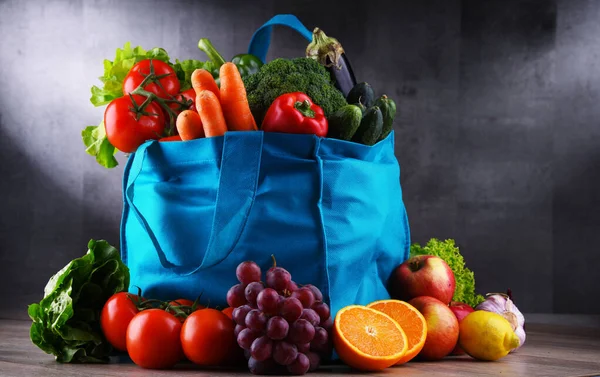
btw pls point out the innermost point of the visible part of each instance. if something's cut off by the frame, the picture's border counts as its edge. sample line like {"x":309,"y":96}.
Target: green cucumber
{"x":363,"y":108}
{"x":361,"y":93}
{"x":344,"y":122}
{"x":388,"y":110}
{"x":370,"y":127}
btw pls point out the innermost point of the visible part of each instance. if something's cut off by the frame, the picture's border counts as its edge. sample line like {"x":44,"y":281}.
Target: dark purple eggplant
{"x":330,"y":53}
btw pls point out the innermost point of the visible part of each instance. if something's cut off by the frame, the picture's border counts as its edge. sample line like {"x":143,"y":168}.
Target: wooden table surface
{"x":550,"y":350}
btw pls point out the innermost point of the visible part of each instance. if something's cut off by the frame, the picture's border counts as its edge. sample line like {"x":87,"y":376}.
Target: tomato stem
{"x":150,"y":302}
{"x":197,"y":301}
{"x":149,"y":78}
{"x":152,"y":77}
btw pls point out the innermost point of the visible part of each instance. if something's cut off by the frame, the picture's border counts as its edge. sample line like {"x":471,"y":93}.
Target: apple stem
{"x":414,"y":265}
{"x":274,"y":260}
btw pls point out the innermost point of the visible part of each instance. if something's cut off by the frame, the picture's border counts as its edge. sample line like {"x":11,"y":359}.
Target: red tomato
{"x":169,"y":83}
{"x":228,"y":312}
{"x":153,"y":339}
{"x":186,"y":302}
{"x":116,"y":314}
{"x":126,"y":132}
{"x":170,"y":138}
{"x":189,"y":94}
{"x":207,"y":337}
{"x":181,"y":302}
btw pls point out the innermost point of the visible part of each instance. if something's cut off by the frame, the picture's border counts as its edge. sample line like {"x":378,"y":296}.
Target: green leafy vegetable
{"x":465,"y":279}
{"x":184,"y":70}
{"x":94,"y":138}
{"x":66,"y":322}
{"x":282,"y":76}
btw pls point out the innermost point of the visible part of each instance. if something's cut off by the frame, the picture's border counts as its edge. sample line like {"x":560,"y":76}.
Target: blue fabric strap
{"x":259,"y":44}
{"x":238,"y":181}
{"x":135,"y":168}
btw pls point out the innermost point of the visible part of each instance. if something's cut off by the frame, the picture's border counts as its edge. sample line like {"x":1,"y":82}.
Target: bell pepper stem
{"x":205,"y":45}
{"x":304,"y":108}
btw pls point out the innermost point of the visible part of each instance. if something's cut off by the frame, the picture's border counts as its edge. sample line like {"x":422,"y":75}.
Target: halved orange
{"x":410,"y":319}
{"x":367,"y":339}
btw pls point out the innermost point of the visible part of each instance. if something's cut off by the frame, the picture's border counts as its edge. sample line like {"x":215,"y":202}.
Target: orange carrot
{"x":189,"y":125}
{"x":211,"y":113}
{"x":203,"y":80}
{"x":234,"y":101}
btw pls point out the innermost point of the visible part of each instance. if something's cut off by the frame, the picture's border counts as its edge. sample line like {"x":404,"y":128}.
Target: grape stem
{"x":274,"y":260}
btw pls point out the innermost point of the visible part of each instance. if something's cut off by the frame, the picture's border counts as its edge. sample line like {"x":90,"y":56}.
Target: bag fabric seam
{"x":183,"y":163}
{"x":322,"y":219}
{"x":125,"y":212}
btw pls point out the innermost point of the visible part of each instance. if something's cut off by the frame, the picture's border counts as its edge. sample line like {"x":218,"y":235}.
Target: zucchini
{"x":361,"y":93}
{"x":344,"y":122}
{"x":388,"y":111}
{"x":370,"y":127}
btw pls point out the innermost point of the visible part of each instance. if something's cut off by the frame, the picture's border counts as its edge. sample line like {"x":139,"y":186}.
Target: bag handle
{"x":238,"y":181}
{"x":261,"y":39}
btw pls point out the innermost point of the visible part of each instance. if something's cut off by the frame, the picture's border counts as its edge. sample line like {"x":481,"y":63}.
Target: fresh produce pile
{"x":272,"y":324}
{"x":421,"y":320}
{"x":149,"y":97}
{"x":432,"y":280}
{"x":279,"y":326}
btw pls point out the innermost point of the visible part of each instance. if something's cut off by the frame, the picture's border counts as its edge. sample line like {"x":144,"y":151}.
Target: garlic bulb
{"x":520,"y":331}
{"x":501,"y":303}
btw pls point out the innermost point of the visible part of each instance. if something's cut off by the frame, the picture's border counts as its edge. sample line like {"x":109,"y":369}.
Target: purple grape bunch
{"x":280,"y":326}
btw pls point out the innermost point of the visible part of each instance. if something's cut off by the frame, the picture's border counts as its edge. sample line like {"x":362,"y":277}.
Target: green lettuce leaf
{"x":94,"y":138}
{"x":184,"y":70}
{"x":66,"y":322}
{"x":449,"y":252}
{"x":116,"y":70}
{"x":214,"y":70}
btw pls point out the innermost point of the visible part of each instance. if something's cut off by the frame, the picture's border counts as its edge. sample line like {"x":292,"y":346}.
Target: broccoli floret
{"x":282,"y":76}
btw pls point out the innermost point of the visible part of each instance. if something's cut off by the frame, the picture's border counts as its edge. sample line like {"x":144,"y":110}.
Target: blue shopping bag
{"x":330,"y":211}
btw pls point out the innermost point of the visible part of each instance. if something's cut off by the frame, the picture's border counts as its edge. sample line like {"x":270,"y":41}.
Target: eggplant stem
{"x":326,"y":50}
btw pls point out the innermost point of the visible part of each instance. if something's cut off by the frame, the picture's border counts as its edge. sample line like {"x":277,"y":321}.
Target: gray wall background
{"x":498,"y":134}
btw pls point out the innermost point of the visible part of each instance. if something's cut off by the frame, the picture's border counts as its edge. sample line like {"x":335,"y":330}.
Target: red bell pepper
{"x":295,"y":113}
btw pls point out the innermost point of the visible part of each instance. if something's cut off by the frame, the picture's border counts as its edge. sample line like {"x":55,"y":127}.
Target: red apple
{"x":442,"y":327}
{"x":422,"y":275}
{"x":460,"y":310}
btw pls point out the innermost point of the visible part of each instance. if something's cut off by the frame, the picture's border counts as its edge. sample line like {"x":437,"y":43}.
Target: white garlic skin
{"x":520,"y":332}
{"x":501,"y":304}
